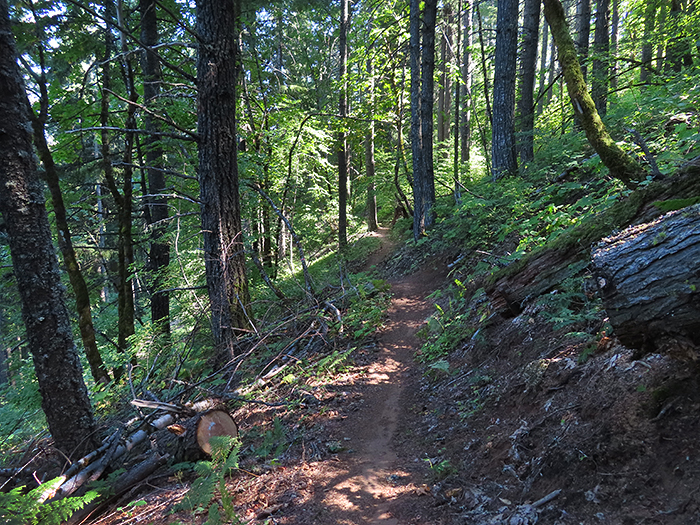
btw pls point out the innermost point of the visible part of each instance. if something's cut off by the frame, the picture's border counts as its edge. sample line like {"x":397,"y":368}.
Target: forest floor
{"x":518,"y":430}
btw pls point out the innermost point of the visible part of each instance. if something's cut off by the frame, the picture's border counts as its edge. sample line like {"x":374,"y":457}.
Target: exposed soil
{"x":522,"y":424}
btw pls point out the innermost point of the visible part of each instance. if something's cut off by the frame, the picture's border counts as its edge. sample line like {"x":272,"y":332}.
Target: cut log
{"x":649,"y":278}
{"x":190,"y":440}
{"x":214,"y":423}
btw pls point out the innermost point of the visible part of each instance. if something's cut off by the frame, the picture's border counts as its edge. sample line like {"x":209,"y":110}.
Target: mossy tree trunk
{"x":65,"y":243}
{"x":56,"y":363}
{"x":621,"y":165}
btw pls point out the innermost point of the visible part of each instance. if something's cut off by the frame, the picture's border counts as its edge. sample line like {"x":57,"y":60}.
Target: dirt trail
{"x":370,"y":482}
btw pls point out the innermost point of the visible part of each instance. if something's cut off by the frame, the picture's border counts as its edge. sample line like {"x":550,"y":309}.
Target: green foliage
{"x":272,"y":443}
{"x":447,"y":328}
{"x":366,"y":310}
{"x":440,"y":469}
{"x":569,"y":304}
{"x":211,"y":482}
{"x":18,"y":507}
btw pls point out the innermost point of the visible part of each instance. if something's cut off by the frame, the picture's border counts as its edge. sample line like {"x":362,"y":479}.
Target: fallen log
{"x":649,"y":279}
{"x":123,"y":483}
{"x":543,"y":270}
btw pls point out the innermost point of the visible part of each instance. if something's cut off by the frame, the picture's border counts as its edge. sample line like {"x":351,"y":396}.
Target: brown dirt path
{"x":374,"y":485}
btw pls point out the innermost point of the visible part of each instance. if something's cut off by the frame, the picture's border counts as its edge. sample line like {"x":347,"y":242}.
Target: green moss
{"x":676,"y":204}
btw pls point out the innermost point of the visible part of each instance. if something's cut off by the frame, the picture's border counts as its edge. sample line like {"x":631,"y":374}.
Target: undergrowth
{"x":19,"y":507}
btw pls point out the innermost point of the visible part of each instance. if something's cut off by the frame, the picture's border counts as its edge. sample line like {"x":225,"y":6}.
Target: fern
{"x":19,"y":508}
{"x":212,"y":479}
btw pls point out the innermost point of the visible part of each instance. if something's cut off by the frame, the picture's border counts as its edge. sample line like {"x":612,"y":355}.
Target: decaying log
{"x":544,"y":269}
{"x":649,"y":278}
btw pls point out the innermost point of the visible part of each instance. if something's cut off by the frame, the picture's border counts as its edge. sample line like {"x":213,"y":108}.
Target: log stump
{"x":190,"y":440}
{"x":649,"y":279}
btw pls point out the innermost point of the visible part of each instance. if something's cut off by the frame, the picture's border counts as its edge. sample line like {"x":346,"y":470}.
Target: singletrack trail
{"x":376,"y":484}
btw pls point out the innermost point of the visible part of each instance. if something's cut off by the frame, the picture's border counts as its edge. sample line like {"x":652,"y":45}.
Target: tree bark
{"x":601,"y":60}
{"x":647,"y":48}
{"x":528,"y":68}
{"x":426,"y":118}
{"x":649,"y":277}
{"x":369,"y":157}
{"x":342,"y":134}
{"x":159,"y":254}
{"x":465,"y":120}
{"x":503,"y":152}
{"x":620,"y":165}
{"x":56,"y":363}
{"x":217,"y":82}
{"x":583,"y":18}
{"x":416,"y":135}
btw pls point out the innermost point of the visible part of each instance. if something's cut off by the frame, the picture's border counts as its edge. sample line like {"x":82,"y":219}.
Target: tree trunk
{"x":369,"y":157}
{"x":542,"y":270}
{"x":159,"y":255}
{"x":426,"y":109}
{"x":620,"y":165}
{"x":465,"y":125}
{"x":484,"y":69}
{"x":552,"y":68}
{"x":56,"y":363}
{"x":416,"y":136}
{"x":190,"y":440}
{"x":543,"y":66}
{"x":649,"y":277}
{"x":528,"y":68}
{"x":601,"y":60}
{"x":123,"y":201}
{"x":342,"y":135}
{"x":217,"y":82}
{"x":614,"y":34}
{"x":583,"y":18}
{"x":677,"y":50}
{"x":503,"y":154}
{"x":647,"y":48}
{"x":444,"y":94}
{"x":65,"y":243}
